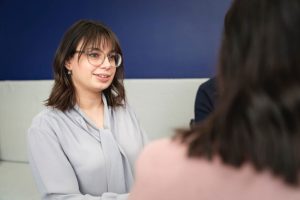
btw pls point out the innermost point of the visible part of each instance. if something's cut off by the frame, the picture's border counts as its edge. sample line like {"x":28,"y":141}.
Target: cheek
{"x":82,"y":67}
{"x":73,"y":64}
{"x":114,"y":70}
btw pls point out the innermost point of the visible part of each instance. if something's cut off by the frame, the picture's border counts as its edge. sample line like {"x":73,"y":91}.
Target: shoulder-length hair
{"x":91,"y":34}
{"x":257,"y":118}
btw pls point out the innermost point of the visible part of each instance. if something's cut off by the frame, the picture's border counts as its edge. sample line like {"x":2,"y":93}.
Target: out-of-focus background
{"x":160,"y":38}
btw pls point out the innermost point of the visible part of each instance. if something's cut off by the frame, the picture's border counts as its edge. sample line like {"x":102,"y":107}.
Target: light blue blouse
{"x":72,"y":159}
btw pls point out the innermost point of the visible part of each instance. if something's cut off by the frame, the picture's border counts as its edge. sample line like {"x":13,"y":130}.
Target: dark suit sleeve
{"x":205,"y":100}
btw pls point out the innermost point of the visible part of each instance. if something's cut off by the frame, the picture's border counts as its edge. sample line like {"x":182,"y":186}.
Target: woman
{"x":249,"y":148}
{"x":84,"y":144}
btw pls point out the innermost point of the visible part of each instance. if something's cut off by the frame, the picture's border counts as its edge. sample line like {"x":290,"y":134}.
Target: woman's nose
{"x":106,"y":63}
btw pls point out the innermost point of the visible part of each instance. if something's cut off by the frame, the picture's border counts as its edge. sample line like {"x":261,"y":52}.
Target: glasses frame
{"x":88,"y":53}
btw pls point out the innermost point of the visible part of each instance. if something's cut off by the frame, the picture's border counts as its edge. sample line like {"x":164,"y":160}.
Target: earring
{"x":69,"y":72}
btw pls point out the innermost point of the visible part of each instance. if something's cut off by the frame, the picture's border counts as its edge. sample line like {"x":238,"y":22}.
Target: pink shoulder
{"x":163,"y":147}
{"x":158,"y":146}
{"x":160,"y":153}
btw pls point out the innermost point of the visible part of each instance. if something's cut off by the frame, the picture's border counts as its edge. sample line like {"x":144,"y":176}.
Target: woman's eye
{"x":94,"y":55}
{"x":111,"y":57}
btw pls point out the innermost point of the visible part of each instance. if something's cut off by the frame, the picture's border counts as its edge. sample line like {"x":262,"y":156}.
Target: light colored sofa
{"x":160,"y":104}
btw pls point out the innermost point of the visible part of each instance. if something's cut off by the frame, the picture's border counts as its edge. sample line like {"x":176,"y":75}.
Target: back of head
{"x":260,"y":44}
{"x":257,"y":118}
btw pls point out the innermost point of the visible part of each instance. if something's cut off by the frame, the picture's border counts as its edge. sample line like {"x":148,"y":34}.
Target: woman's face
{"x":89,"y":75}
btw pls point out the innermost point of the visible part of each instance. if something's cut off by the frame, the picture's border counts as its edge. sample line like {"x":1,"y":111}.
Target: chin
{"x":102,"y":87}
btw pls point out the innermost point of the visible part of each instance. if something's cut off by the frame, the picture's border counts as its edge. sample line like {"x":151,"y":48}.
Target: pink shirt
{"x":165,"y":173}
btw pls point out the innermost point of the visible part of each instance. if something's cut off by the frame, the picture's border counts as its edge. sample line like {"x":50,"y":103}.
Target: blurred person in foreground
{"x":249,"y":148}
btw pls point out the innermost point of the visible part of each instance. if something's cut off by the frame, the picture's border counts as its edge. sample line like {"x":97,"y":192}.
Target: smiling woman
{"x":85,"y":143}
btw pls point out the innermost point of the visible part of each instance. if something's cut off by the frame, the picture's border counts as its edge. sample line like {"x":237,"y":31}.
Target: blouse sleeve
{"x":52,"y":171}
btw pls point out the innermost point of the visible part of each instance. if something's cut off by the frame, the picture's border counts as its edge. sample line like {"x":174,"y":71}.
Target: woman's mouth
{"x":103,"y":77}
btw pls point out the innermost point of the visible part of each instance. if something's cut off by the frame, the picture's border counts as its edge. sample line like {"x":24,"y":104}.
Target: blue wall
{"x":159,"y":38}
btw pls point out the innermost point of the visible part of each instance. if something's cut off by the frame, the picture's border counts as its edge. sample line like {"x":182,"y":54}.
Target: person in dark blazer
{"x":205,"y":100}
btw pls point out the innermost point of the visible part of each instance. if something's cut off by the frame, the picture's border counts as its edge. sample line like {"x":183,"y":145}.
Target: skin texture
{"x":89,"y":82}
{"x":87,"y":77}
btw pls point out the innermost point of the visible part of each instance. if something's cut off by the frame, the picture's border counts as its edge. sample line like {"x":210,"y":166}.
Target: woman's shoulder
{"x":167,"y":145}
{"x":163,"y":152}
{"x":125,"y":107}
{"x":165,"y":160}
{"x":46,"y":113}
{"x":46,"y":118}
{"x":125,"y":111}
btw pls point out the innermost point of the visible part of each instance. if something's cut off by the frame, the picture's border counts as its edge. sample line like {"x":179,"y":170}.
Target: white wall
{"x":161,"y":106}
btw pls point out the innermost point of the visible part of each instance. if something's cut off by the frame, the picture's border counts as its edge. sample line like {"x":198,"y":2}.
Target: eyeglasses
{"x":96,"y":57}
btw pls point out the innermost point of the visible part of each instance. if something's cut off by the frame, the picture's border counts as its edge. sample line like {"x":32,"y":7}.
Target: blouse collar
{"x":85,"y":121}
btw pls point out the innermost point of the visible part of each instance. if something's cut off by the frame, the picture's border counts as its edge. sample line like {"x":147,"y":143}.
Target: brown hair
{"x":91,"y":33}
{"x":257,"y":116}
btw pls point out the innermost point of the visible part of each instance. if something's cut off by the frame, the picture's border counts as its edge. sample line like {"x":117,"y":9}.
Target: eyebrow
{"x":97,"y":49}
{"x":91,"y":48}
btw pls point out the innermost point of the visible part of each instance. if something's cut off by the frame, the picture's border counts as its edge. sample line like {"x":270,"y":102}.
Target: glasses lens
{"x":95,"y":57}
{"x":115,"y":59}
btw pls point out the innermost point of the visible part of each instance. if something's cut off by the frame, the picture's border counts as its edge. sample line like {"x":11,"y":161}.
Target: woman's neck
{"x":89,"y":100}
{"x":92,"y":105}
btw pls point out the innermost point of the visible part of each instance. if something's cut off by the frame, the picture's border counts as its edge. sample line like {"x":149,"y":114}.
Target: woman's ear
{"x":68,"y":65}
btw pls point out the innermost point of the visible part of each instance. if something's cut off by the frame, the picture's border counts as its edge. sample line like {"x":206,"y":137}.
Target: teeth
{"x":103,"y":76}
